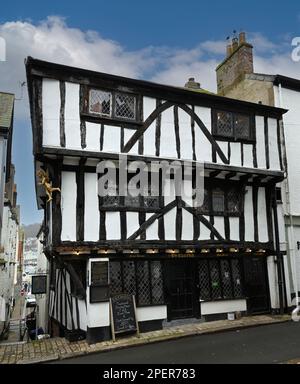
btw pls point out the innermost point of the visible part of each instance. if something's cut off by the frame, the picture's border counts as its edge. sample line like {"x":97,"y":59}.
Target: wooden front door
{"x":181,"y":289}
{"x":256,"y":285}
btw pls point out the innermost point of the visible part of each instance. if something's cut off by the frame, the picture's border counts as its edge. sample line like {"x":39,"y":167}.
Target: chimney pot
{"x":235,"y":43}
{"x":242,"y":38}
{"x":192,"y":84}
{"x":228,"y":50}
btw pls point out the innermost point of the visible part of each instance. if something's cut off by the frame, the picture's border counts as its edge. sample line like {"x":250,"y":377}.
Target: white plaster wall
{"x":151,"y":313}
{"x":219,"y":225}
{"x":92,"y":136}
{"x":273,"y":144}
{"x":167,"y":138}
{"x":204,"y":231}
{"x":291,"y":121}
{"x":273,"y":282}
{"x":234,"y":225}
{"x":235,"y":154}
{"x":224,"y":306}
{"x":262,"y":216}
{"x":170,"y":224}
{"x":68,"y":206}
{"x":248,"y":155}
{"x":249,"y":221}
{"x":113,"y":230}
{"x":91,"y":209}
{"x":128,"y":133}
{"x":51,"y":112}
{"x":132,"y":220}
{"x":72,"y":116}
{"x":149,"y":135}
{"x":152,"y":231}
{"x":112,"y":138}
{"x":202,"y":145}
{"x":224,"y":147}
{"x":260,"y":142}
{"x":187,"y":225}
{"x":185,"y":134}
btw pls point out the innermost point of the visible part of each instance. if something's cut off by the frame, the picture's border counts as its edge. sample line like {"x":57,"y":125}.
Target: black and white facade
{"x":179,"y":261}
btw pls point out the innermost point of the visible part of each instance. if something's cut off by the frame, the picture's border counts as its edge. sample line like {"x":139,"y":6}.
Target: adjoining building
{"x":179,"y":260}
{"x":9,"y":215}
{"x":236,"y":79}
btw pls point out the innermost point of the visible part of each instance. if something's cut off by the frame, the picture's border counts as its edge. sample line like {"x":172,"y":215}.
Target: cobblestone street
{"x":60,"y":348}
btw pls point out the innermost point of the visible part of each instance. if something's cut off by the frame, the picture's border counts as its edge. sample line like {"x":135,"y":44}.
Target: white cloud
{"x":53,"y":40}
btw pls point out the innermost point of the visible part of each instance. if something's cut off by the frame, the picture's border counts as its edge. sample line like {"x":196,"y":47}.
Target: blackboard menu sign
{"x":99,"y":273}
{"x":38,"y":284}
{"x":123,"y":314}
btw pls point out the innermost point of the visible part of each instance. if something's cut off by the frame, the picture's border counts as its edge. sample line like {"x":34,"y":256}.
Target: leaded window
{"x":111,"y":104}
{"x":219,"y":279}
{"x":100,"y":102}
{"x":223,"y":200}
{"x":142,"y":278}
{"x":233,"y":126}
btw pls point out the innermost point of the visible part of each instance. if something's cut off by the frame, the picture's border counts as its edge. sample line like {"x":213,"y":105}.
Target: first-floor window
{"x":142,"y":278}
{"x":220,"y":279}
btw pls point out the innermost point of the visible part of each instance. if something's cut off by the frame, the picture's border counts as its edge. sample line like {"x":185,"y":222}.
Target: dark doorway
{"x":256,"y":285}
{"x":181,"y":289}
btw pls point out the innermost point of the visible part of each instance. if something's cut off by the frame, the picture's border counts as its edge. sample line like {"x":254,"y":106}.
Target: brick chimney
{"x":238,"y":62}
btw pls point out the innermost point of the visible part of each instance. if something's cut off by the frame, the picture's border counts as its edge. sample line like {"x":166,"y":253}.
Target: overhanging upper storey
{"x":79,"y":112}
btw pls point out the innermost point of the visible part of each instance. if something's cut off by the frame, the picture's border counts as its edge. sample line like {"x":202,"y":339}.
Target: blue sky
{"x":164,"y":41}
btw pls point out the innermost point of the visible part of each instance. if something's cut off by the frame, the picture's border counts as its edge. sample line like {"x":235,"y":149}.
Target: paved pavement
{"x":269,"y":344}
{"x":60,"y":348}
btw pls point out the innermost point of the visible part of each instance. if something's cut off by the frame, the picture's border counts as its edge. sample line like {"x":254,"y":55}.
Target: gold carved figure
{"x":45,"y":181}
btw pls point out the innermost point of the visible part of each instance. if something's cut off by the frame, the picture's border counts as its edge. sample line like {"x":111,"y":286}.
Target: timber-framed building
{"x":179,"y":261}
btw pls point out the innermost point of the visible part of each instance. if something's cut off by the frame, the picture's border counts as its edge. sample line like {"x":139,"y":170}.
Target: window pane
{"x":129,"y":277}
{"x":242,"y":126}
{"x":236,"y":276}
{"x":215,"y":279}
{"x":125,"y":106}
{"x":115,"y":277}
{"x":224,"y":124}
{"x":233,"y":197}
{"x":157,"y":282}
{"x":218,"y":200}
{"x":226,"y":280}
{"x":204,"y":280}
{"x":100,"y":102}
{"x":143,"y":279}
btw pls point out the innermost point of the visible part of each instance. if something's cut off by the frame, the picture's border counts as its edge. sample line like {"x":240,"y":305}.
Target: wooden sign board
{"x":39,"y":284}
{"x":99,"y":273}
{"x":123,"y":315}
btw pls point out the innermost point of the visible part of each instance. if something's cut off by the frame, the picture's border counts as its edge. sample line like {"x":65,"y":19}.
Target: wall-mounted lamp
{"x":233,"y":250}
{"x":204,"y":250}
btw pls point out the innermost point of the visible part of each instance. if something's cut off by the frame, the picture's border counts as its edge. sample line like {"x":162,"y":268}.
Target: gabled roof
{"x":6,"y":109}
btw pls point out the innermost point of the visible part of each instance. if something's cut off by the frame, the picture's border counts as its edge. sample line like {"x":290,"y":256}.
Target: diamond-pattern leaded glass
{"x":115,"y":277}
{"x":236,"y":277}
{"x":242,"y":126}
{"x":215,"y":279}
{"x":129,"y":277}
{"x":125,"y":106}
{"x":151,"y":202}
{"x":218,"y":201}
{"x":111,"y":201}
{"x":157,"y":283}
{"x":204,"y":279}
{"x":224,"y":124}
{"x":100,"y":102}
{"x":226,"y":279}
{"x":233,"y":198}
{"x":143,"y":280}
{"x":132,"y":201}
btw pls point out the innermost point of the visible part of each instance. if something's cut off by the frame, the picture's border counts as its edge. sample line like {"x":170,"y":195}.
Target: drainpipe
{"x":290,"y":230}
{"x":278,"y":253}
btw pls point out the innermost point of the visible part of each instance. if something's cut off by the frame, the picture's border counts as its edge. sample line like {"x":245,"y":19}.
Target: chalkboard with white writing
{"x":123,"y":313}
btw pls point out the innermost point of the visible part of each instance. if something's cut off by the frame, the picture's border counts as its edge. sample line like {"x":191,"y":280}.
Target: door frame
{"x":195,"y":285}
{"x":263,"y":259}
